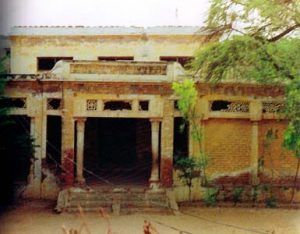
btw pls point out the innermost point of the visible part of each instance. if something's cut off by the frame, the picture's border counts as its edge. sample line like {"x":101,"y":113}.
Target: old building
{"x":101,"y":108}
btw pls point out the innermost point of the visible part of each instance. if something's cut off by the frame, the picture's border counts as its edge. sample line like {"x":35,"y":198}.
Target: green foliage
{"x":259,"y":18}
{"x":16,"y":149}
{"x":259,"y":42}
{"x":188,"y":95}
{"x":237,"y":194}
{"x":3,"y":111}
{"x":210,"y":196}
{"x":292,"y":134}
{"x":271,"y":202}
{"x":246,"y":58}
{"x":188,"y":170}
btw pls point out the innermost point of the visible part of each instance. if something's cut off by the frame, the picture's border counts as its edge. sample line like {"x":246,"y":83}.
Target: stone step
{"x":119,"y":197}
{"x":120,"y":202}
{"x":88,"y":209}
{"x":147,"y":210}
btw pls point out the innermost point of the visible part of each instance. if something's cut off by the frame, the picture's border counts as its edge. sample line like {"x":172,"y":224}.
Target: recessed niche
{"x":13,"y":103}
{"x":117,"y":105}
{"x":54,"y":103}
{"x":144,"y":105}
{"x":219,"y":105}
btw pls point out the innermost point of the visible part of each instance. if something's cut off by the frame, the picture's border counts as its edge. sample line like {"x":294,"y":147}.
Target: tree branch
{"x":285,"y":32}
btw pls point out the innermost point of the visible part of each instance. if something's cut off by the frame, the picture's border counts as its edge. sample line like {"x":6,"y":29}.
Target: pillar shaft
{"x":154,"y":178}
{"x":80,"y":150}
{"x":254,"y":153}
{"x":68,"y":138}
{"x":36,"y":176}
{"x":167,"y":137}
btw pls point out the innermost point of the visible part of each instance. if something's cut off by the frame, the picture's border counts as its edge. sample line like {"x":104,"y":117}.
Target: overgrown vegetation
{"x":188,"y":170}
{"x":258,"y":42}
{"x":16,"y":149}
{"x":237,"y":194}
{"x":210,"y":196}
{"x":187,"y":94}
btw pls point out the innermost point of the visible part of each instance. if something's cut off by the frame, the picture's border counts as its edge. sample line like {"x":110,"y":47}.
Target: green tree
{"x":258,"y":41}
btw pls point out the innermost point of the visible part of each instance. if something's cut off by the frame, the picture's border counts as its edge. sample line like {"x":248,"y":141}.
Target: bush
{"x":236,"y":194}
{"x":210,"y":196}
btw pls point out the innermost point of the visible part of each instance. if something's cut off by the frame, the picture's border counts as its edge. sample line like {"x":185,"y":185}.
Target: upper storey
{"x":37,"y":49}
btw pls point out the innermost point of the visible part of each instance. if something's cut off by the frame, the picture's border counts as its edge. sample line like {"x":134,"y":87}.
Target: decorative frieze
{"x":273,"y":107}
{"x":119,"y":68}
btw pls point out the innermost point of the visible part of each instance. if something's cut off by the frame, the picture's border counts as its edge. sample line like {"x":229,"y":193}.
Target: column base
{"x":80,"y":182}
{"x":154,"y":185}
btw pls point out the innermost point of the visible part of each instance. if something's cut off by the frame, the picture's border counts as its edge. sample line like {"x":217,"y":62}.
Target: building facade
{"x":80,"y":86}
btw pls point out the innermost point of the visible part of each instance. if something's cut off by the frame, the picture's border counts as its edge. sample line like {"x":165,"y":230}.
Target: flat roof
{"x":108,"y":30}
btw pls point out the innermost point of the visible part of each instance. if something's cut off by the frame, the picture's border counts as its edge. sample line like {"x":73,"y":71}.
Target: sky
{"x":101,"y":13}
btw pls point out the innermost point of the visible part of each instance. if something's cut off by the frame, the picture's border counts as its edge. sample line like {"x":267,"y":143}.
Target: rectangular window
{"x":183,"y":60}
{"x":47,"y":63}
{"x":116,"y":58}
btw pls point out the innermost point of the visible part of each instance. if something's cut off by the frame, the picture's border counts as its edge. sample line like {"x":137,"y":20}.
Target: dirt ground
{"x":38,"y":217}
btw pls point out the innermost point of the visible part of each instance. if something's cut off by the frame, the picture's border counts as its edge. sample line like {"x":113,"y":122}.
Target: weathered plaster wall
{"x":26,"y":49}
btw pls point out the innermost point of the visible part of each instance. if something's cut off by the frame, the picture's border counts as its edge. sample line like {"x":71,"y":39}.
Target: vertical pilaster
{"x":33,"y":189}
{"x":154,"y":178}
{"x":255,"y":116}
{"x":80,"y":127}
{"x":68,"y":138}
{"x":167,"y":138}
{"x":254,"y":153}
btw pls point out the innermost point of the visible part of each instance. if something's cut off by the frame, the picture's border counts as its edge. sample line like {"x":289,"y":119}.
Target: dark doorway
{"x":181,"y":138}
{"x":53,"y":148}
{"x":117,"y":150}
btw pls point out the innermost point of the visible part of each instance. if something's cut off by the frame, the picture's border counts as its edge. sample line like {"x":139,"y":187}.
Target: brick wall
{"x":227,"y":143}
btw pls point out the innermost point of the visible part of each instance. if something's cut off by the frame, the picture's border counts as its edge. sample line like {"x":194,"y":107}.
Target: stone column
{"x":80,"y":150}
{"x":154,"y":178}
{"x":33,"y":189}
{"x":167,"y":138}
{"x":254,"y":153}
{"x":68,"y":138}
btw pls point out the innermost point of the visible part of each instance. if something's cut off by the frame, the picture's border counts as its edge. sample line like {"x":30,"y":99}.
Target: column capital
{"x":80,"y":119}
{"x":155,"y":119}
{"x":31,"y":116}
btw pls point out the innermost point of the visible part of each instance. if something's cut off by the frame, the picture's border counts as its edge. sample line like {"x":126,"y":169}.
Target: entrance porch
{"x":115,"y":151}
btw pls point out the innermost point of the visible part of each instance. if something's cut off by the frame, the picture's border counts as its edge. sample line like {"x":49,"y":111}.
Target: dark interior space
{"x":181,"y":138}
{"x":53,"y":148}
{"x":47,"y":63}
{"x":16,"y":151}
{"x":117,"y":150}
{"x":220,"y":105}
